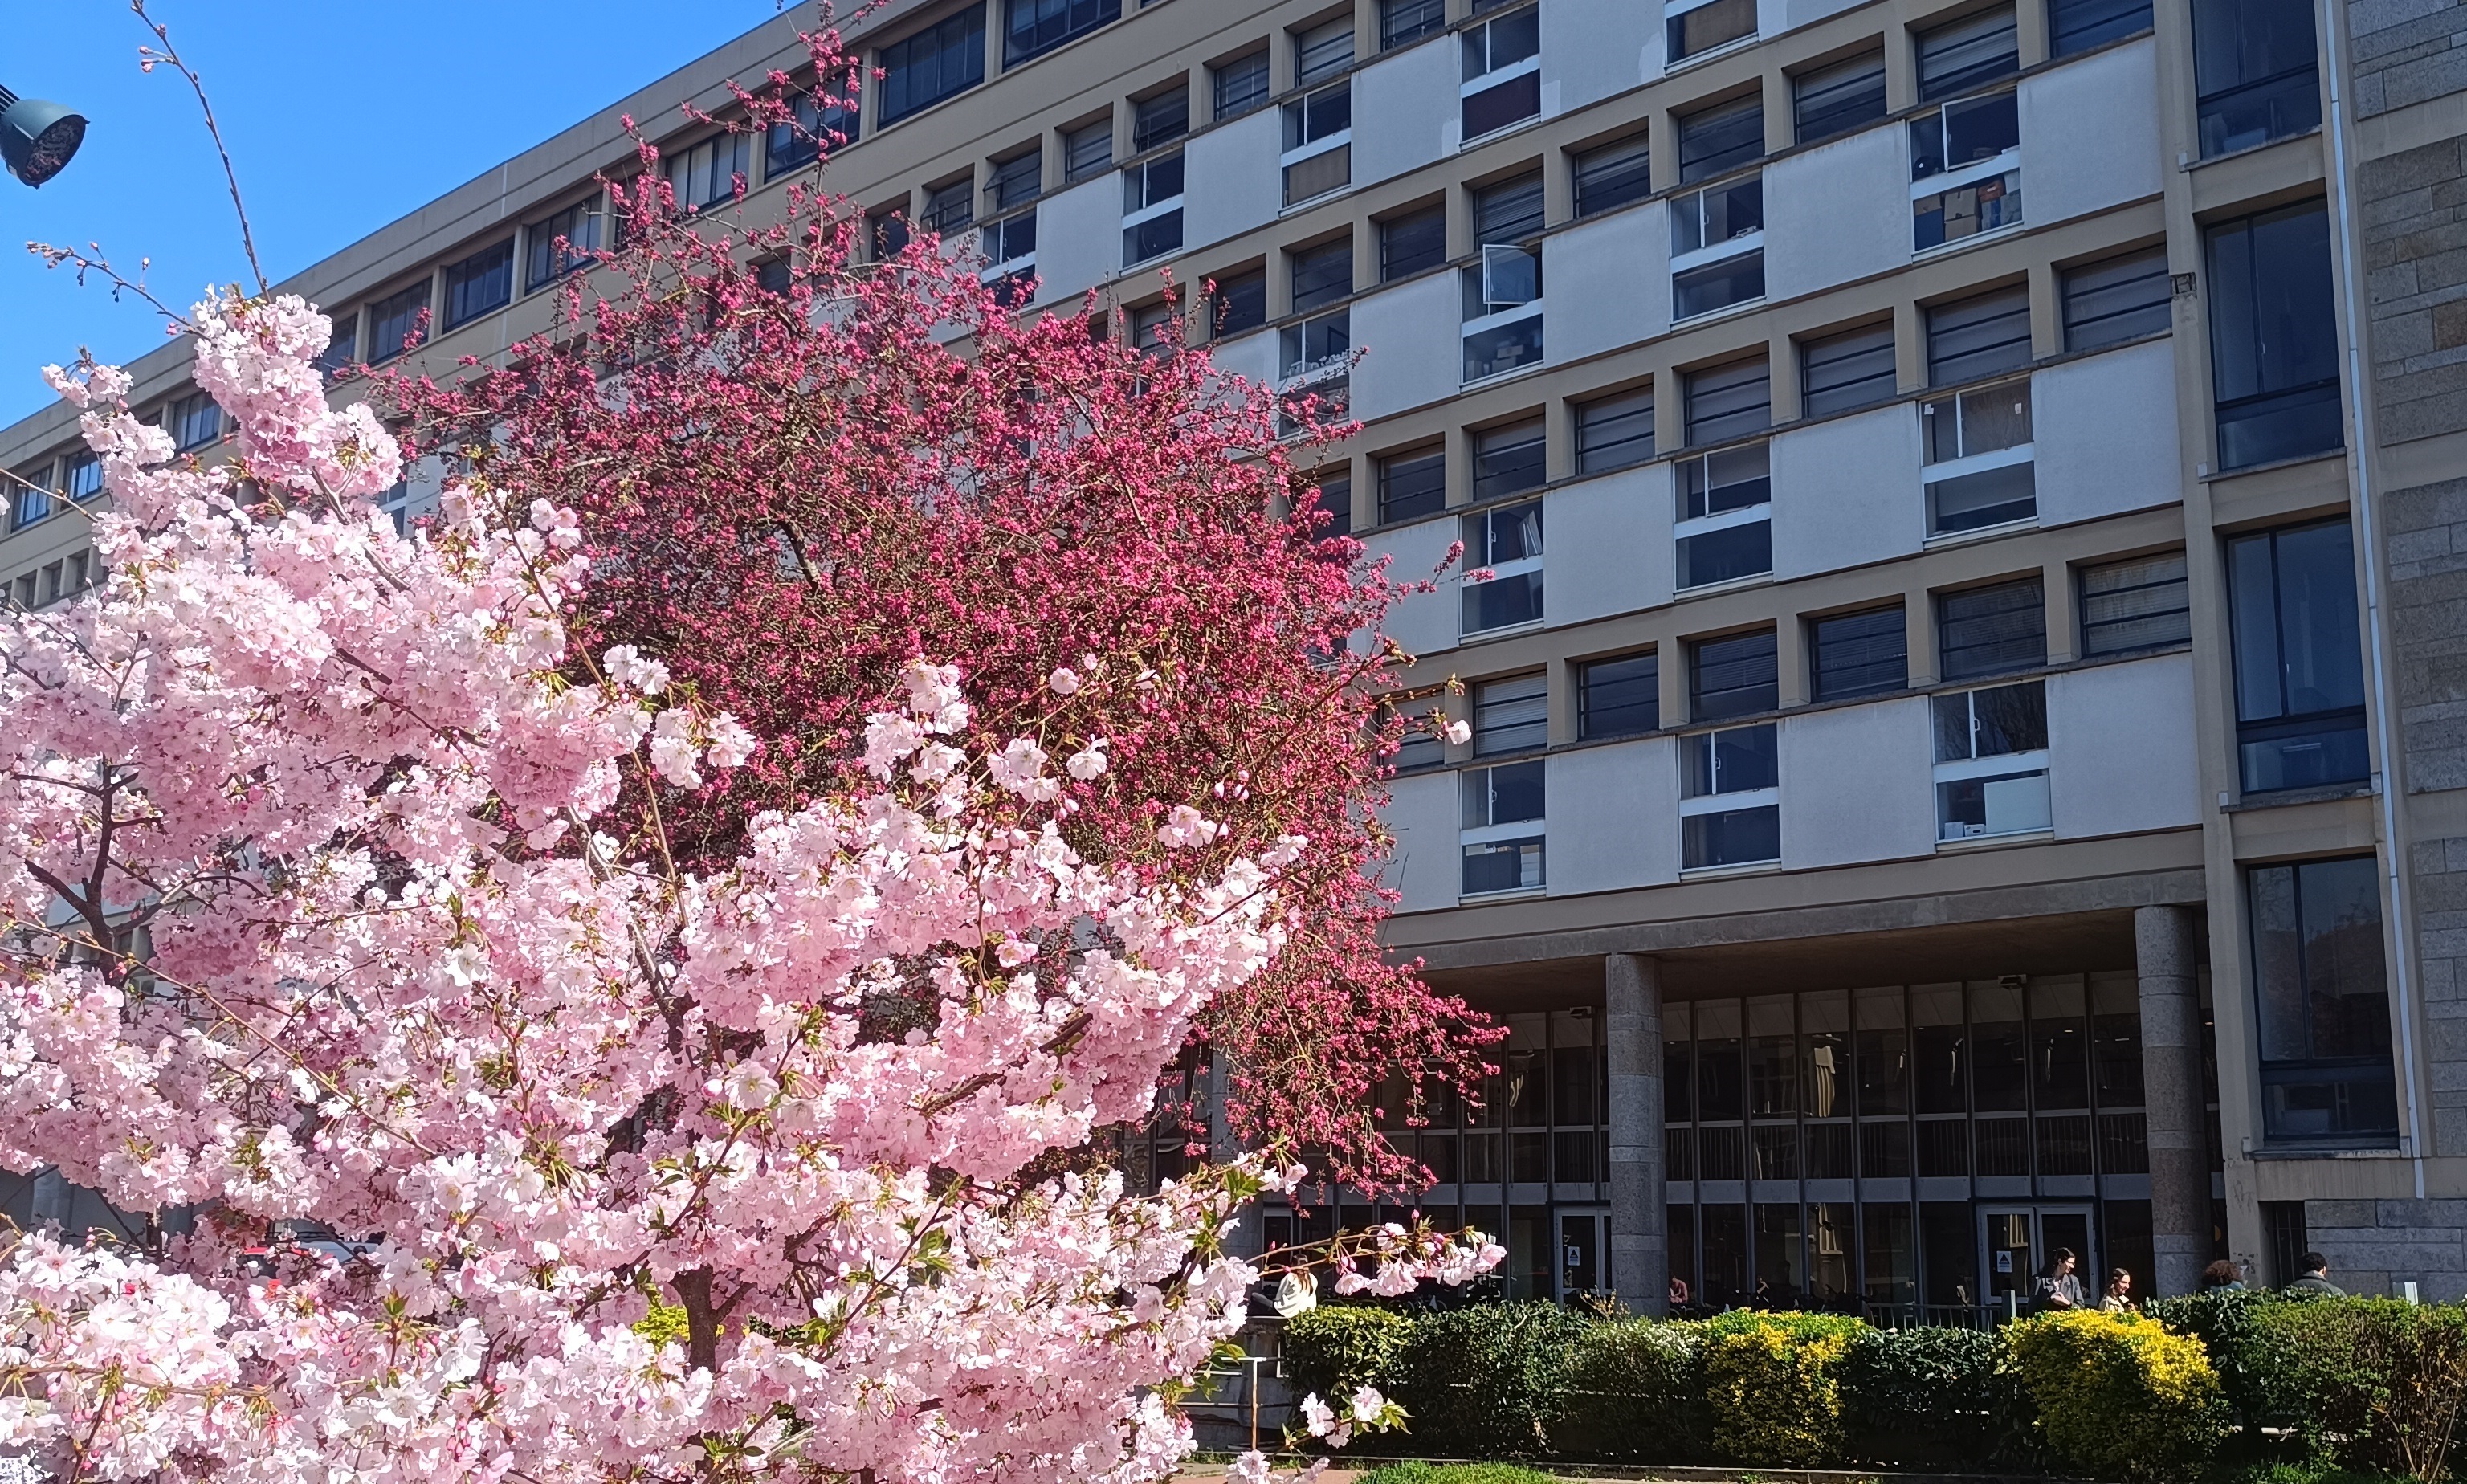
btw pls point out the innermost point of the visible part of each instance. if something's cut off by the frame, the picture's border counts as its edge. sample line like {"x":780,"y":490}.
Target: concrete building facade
{"x":1968,"y":692}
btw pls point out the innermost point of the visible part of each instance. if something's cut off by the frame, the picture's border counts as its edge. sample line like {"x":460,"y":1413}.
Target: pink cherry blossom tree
{"x":337,"y":889}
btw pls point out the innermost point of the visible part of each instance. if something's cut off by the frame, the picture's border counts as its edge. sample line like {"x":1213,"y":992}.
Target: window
{"x":1507,"y":461}
{"x":1503,"y":584}
{"x":2077,"y":25}
{"x":1853,"y":368}
{"x":1717,"y":248}
{"x":394,"y":319}
{"x":709,"y":172}
{"x":1031,"y":27}
{"x":1725,"y":529}
{"x":1411,"y":244}
{"x":1317,"y":344}
{"x":887,"y":229}
{"x":1728,"y":401}
{"x":1319,"y":138}
{"x":1991,"y":761}
{"x":774,"y":275}
{"x":1323,"y":274}
{"x":1016,"y":181}
{"x":1860,"y":654}
{"x":2324,"y":1005}
{"x":30,"y":502}
{"x":1838,"y":98}
{"x":2273,"y":344}
{"x":1736,"y":676}
{"x":1984,"y":335}
{"x":1154,"y":329}
{"x":1503,"y":293}
{"x":2298,"y":661}
{"x":1965,"y":170}
{"x":1511,"y":715}
{"x":820,"y":123}
{"x":481,"y":282}
{"x":1992,"y":630}
{"x":1087,"y":149}
{"x":2253,"y":72}
{"x":2116,"y":299}
{"x":1412,"y":484}
{"x":1621,"y":697}
{"x":1161,"y":120}
{"x":1968,"y":54}
{"x":1979,"y":469}
{"x":193,"y":421}
{"x":558,"y":243}
{"x":1241,"y":303}
{"x":1961,"y":135}
{"x":1241,"y":84}
{"x":82,"y":476}
{"x":1404,"y":22}
{"x":1614,"y":174}
{"x":1509,"y":212}
{"x":921,"y":70}
{"x":1501,"y":73}
{"x":1502,"y":833}
{"x":2135,"y":605}
{"x":344,"y":348}
{"x":1152,"y":208}
{"x":949,"y":209}
{"x":1615,"y":431}
{"x":1336,"y":498}
{"x":1731,"y":812}
{"x":1696,"y":27}
{"x":1717,"y":138}
{"x":1322,"y":52}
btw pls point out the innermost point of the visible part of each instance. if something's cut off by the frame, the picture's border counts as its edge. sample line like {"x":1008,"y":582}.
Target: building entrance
{"x":2017,"y":1243}
{"x":1584,"y":1246}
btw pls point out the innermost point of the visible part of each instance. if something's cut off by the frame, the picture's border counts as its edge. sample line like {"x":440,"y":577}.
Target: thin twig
{"x":147,"y":58}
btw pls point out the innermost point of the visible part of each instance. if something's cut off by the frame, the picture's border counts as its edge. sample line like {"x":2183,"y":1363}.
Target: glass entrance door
{"x":2018,"y":1241}
{"x":1584,"y":1252}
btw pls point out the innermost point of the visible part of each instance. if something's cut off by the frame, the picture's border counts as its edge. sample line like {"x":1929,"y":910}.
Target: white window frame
{"x":1672,"y":10}
{"x":1492,"y":78}
{"x":1953,"y":469}
{"x":1153,"y":211}
{"x":1685,"y":526}
{"x":1326,"y":143}
{"x":1513,"y":832}
{"x":1501,"y":317}
{"x":996,"y":270}
{"x":1519,"y":567}
{"x":1740,"y":246}
{"x":2010,"y":163}
{"x":1291,"y":375}
{"x":2009,"y":766}
{"x":1725,"y":801}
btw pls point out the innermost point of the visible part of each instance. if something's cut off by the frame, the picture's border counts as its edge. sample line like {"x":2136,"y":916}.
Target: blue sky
{"x":341,"y":115}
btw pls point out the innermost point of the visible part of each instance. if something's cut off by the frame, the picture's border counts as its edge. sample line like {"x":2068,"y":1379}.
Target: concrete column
{"x":1640,"y":1229}
{"x":2171,"y":1093}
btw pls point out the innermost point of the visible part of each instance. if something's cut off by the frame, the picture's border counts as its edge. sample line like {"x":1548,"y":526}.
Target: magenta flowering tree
{"x":337,"y":889}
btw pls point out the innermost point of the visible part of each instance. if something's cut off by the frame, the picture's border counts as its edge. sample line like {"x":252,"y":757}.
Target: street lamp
{"x":36,"y":137}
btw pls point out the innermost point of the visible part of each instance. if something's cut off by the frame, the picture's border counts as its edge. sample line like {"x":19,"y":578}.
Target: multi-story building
{"x":1965,"y":687}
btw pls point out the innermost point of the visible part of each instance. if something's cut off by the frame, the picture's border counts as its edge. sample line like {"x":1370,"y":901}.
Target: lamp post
{"x":37,"y":137}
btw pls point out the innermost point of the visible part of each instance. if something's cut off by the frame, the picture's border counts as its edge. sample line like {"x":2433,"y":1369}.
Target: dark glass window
{"x":1697,"y":30}
{"x":949,"y":208}
{"x":2273,"y":341}
{"x":1968,"y":54}
{"x":1322,"y":52}
{"x":2133,"y":605}
{"x":889,"y":230}
{"x":1404,"y":22}
{"x":193,"y":421}
{"x":1619,"y":697}
{"x":393,"y":320}
{"x":2253,"y":72}
{"x":1853,"y":368}
{"x":773,"y":275}
{"x":82,"y":476}
{"x":2299,"y":658}
{"x":1016,"y":181}
{"x":1412,"y":484}
{"x":1728,"y":401}
{"x":1838,"y":98}
{"x":1509,"y":212}
{"x":1614,"y":432}
{"x":2078,"y":25}
{"x":1717,"y":138}
{"x":1087,"y":149}
{"x":1336,"y":498}
{"x":1511,"y":715}
{"x":818,"y":125}
{"x":1861,"y":654}
{"x":921,"y":70}
{"x":481,"y":282}
{"x":1614,"y":174}
{"x":563,"y":241}
{"x":1992,"y":630}
{"x":1499,"y":46}
{"x":1158,"y":119}
{"x":2323,"y":1003}
{"x":1241,"y":84}
{"x":1983,"y":335}
{"x":1030,"y":26}
{"x":1410,"y":243}
{"x":1323,"y":275}
{"x":1241,"y":303}
{"x":1507,"y":461}
{"x":2116,"y":299}
{"x":1735,"y":676}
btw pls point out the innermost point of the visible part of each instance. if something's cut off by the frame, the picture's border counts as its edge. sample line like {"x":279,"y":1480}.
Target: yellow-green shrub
{"x":1773,"y":1391}
{"x":2119,"y":1395}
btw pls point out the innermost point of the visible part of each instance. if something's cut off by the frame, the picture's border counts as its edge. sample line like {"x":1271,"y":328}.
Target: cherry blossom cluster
{"x":337,"y":890}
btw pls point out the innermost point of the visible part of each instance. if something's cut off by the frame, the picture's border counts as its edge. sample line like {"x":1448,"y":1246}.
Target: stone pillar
{"x":1640,"y":1227}
{"x":2171,"y":1093}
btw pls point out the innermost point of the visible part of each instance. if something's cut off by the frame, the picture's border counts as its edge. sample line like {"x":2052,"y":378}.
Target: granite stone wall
{"x":2415,"y":206}
{"x":2405,"y":51}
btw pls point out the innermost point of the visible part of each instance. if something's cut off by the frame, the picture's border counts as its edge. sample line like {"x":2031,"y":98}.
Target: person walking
{"x":2059,"y":1288}
{"x":2119,"y":1297}
{"x":2315,"y":1278}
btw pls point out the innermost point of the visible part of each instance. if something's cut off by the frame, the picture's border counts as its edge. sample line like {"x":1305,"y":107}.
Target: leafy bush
{"x":1637,"y":1391}
{"x":2118,"y":1394}
{"x":1416,"y":1472}
{"x":1771,"y":1386}
{"x":1335,"y":1349}
{"x":1934,"y":1397}
{"x":2368,"y":1382}
{"x":2223,"y":1319}
{"x":1487,"y":1380}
